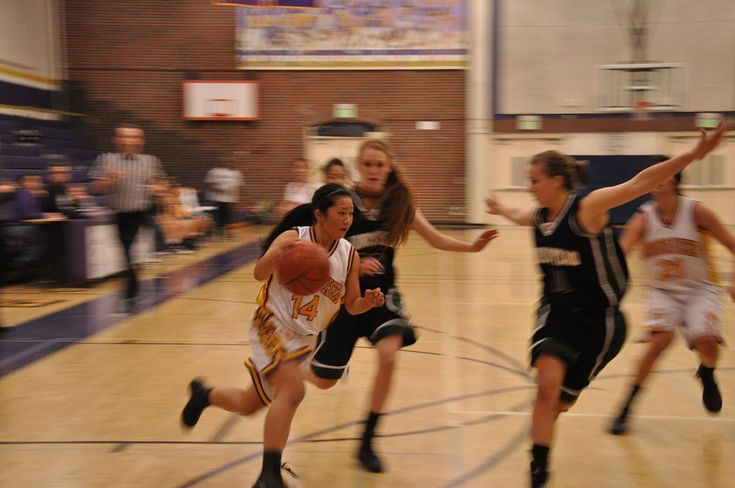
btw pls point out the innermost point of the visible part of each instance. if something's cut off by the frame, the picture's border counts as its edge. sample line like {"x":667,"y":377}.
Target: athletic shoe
{"x":369,"y":460}
{"x":539,"y":478}
{"x":620,"y":426}
{"x":198,"y":401}
{"x":711,"y":397}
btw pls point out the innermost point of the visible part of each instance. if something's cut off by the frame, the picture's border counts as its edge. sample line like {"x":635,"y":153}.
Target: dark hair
{"x":660,"y":158}
{"x":556,"y":163}
{"x":677,"y":180}
{"x":325,"y":195}
{"x":397,"y":204}
{"x":303,"y":214}
{"x":334,"y":162}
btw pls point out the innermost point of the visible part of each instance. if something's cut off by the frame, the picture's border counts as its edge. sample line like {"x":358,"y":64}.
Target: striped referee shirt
{"x":130,"y":192}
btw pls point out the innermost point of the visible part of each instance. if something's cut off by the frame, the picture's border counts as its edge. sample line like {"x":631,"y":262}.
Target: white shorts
{"x":697,"y":311}
{"x":270,"y":345}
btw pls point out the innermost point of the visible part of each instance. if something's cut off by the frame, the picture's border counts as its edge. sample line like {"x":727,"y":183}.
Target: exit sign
{"x":344,"y":111}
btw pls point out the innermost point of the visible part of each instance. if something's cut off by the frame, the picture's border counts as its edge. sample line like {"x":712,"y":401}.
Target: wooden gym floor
{"x":91,"y":397}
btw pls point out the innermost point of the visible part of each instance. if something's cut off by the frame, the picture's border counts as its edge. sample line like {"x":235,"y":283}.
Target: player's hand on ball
{"x":375,"y":297}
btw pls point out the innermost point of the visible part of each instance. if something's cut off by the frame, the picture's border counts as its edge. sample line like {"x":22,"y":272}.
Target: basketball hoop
{"x":642,"y":109}
{"x":221,"y":107}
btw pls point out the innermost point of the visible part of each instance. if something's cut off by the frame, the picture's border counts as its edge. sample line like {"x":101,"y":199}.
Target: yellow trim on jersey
{"x":712,"y":274}
{"x":257,"y":382}
{"x":351,"y":260}
{"x":262,"y":298}
{"x":330,"y":249}
{"x":296,"y":354}
{"x":280,"y":357}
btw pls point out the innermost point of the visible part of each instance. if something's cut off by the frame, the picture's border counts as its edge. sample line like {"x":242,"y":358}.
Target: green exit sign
{"x":344,"y":111}
{"x":528,"y":122}
{"x":708,"y":120}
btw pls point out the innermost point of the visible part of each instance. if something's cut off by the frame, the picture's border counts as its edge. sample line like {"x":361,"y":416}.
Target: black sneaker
{"x":539,"y":477}
{"x":269,"y":482}
{"x":369,"y":460}
{"x":619,"y":426}
{"x":198,"y":401}
{"x":710,"y":393}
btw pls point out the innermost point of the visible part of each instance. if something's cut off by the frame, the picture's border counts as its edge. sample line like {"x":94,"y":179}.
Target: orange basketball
{"x":303,"y":267}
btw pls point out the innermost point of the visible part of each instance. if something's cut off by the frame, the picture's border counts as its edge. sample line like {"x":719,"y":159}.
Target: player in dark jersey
{"x":385,"y":212}
{"x":579,"y":327}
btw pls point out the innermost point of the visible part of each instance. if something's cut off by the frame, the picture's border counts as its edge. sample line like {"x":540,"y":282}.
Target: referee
{"x":129,"y":177}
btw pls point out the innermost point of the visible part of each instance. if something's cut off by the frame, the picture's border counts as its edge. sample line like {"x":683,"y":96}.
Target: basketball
{"x":303,"y":267}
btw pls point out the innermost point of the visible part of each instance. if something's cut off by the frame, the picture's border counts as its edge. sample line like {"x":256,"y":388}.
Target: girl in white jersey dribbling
{"x":280,"y":334}
{"x":682,"y":289}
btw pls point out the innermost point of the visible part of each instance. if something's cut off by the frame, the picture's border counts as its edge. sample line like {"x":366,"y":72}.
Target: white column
{"x":478,"y":108}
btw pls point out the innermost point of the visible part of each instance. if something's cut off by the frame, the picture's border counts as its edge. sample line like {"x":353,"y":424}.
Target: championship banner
{"x":354,"y":34}
{"x":268,"y":3}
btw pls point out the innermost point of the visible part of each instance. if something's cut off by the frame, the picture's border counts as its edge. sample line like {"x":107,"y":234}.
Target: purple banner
{"x":354,"y":34}
{"x":269,"y":3}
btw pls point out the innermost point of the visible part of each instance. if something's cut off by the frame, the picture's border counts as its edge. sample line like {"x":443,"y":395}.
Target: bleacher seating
{"x":28,"y":146}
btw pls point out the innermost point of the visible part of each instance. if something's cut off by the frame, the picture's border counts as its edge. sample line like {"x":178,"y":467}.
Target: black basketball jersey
{"x":364,"y":234}
{"x":369,"y":240}
{"x":579,"y":270}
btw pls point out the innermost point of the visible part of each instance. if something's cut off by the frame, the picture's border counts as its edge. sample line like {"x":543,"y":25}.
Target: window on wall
{"x":709,"y":171}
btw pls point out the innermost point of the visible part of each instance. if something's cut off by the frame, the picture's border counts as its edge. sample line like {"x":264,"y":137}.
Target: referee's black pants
{"x":222,"y":217}
{"x":128,"y":224}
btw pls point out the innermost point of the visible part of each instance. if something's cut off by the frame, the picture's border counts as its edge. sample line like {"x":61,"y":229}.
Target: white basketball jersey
{"x":308,"y":314}
{"x":675,"y":254}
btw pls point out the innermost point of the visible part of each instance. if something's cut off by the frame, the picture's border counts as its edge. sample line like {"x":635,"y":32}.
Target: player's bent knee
{"x":294,"y":394}
{"x":662,"y":339}
{"x":322,"y":383}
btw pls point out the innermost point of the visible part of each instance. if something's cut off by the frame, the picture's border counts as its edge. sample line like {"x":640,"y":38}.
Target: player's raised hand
{"x":709,"y":140}
{"x":482,"y":240}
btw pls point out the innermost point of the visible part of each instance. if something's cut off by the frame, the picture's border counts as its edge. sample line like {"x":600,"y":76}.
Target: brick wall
{"x":127,"y":60}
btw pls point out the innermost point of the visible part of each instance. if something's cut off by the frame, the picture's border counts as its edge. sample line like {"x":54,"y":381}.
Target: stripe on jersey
{"x":712,"y":274}
{"x":350,"y":261}
{"x":609,"y":332}
{"x":602,"y":271}
{"x":330,"y":249}
{"x":257,"y":382}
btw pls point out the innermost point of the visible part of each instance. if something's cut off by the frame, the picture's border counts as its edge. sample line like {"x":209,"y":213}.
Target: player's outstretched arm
{"x":520,"y":216}
{"x":593,"y":208}
{"x":633,"y":231}
{"x":267,"y":262}
{"x":443,"y":242}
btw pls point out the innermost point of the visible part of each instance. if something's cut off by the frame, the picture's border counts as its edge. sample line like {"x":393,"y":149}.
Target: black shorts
{"x":336,"y":343}
{"x":586,"y":340}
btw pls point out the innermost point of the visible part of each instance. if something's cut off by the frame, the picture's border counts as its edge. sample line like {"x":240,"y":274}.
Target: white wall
{"x":30,"y":43}
{"x":547,"y":56}
{"x":548,"y":51}
{"x":502,"y":148}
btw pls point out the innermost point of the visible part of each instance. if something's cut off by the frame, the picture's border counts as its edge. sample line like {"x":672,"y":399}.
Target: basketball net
{"x":642,"y":110}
